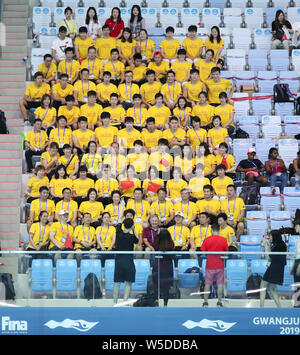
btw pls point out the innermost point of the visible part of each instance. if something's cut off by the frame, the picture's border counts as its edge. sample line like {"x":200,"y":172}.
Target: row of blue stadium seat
{"x":237,"y":273}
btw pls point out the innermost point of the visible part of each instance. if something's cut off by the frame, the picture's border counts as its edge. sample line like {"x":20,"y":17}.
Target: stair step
{"x":14,"y":154}
{"x":9,"y":55}
{"x":10,"y":217}
{"x":14,"y":35}
{"x":13,"y":114}
{"x":15,"y":41}
{"x":13,"y":63}
{"x":10,"y":138}
{"x":15,"y":7}
{"x":11,"y":84}
{"x":17,"y":13}
{"x":12,"y":92}
{"x":8,"y":99}
{"x":12,"y":73}
{"x":13,"y":48}
{"x":13,"y":20}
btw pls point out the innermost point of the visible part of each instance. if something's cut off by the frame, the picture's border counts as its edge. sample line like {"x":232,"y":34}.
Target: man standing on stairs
{"x":33,"y":94}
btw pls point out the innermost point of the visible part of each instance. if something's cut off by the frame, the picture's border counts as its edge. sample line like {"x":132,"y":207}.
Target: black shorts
{"x":220,"y":61}
{"x":32,"y":104}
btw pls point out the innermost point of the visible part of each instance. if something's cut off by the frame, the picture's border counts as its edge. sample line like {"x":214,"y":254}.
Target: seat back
{"x":188,"y":280}
{"x":279,"y":219}
{"x":291,"y":199}
{"x":87,"y":266}
{"x":143,"y":271}
{"x":42,"y":275}
{"x":258,"y":266}
{"x":66,"y":275}
{"x":250,"y":243}
{"x":236,"y":274}
{"x":257,"y":223}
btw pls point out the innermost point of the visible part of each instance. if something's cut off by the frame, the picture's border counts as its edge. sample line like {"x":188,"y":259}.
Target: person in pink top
{"x":214,"y":264}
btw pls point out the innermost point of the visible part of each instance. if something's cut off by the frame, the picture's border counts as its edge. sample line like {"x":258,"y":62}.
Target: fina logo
{"x":80,"y":325}
{"x":217,"y":325}
{"x":13,"y":326}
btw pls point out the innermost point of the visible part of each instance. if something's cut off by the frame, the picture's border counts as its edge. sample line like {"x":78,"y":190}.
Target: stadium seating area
{"x":250,"y":66}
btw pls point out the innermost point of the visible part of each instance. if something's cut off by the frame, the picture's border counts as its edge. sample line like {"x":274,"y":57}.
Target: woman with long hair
{"x":46,"y":112}
{"x":136,"y":22}
{"x":162,"y":270}
{"x":126,"y":46}
{"x":276,"y":170}
{"x":281,"y":30}
{"x":92,"y":23}
{"x":58,"y":182}
{"x":115,"y":23}
{"x":275,"y":270}
{"x":216,"y":43}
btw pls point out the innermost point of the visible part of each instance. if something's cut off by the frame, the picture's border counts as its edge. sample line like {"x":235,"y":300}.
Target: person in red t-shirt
{"x":214,"y":264}
{"x":115,"y":23}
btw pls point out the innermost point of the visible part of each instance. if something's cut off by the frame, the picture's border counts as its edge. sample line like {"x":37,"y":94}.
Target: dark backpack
{"x":239,"y":133}
{"x":92,"y":289}
{"x":7,"y":280}
{"x":253,"y":283}
{"x":146,"y":300}
{"x":250,"y":194}
{"x":282,"y":93}
{"x":3,"y":125}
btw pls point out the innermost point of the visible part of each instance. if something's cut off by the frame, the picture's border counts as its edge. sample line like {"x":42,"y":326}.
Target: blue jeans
{"x":283,"y":178}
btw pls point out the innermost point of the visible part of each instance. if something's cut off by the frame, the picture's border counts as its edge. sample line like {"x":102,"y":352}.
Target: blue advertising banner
{"x":145,"y":321}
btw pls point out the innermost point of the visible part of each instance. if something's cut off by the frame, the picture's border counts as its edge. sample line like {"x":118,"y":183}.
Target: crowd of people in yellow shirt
{"x":123,"y":130}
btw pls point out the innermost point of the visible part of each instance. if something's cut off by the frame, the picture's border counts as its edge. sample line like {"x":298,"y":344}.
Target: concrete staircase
{"x":12,"y":88}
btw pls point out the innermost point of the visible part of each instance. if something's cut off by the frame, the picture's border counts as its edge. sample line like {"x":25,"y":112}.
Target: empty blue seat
{"x":268,"y":201}
{"x":288,"y":279}
{"x":109,"y":270}
{"x":236,"y":275}
{"x":257,"y":223}
{"x":258,"y":266}
{"x":291,"y":199}
{"x":188,"y":280}
{"x":66,"y":275}
{"x":250,"y":243}
{"x":87,"y":266}
{"x":262,"y":106}
{"x":279,"y":219}
{"x":143,"y":271}
{"x":292,"y":243}
{"x":42,"y":275}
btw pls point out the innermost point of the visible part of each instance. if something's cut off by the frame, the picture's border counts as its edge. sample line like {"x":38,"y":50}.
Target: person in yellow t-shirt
{"x":205,"y":65}
{"x":216,"y":85}
{"x":105,"y":89}
{"x":169,"y":46}
{"x":197,"y":183}
{"x":235,"y":209}
{"x":151,"y":135}
{"x":69,"y":23}
{"x":163,"y":208}
{"x":82,"y":136}
{"x":106,"y":134}
{"x":49,"y":70}
{"x":58,"y":182}
{"x":148,"y":184}
{"x":115,"y":67}
{"x":204,"y":157}
{"x":217,"y":134}
{"x":105,"y":44}
{"x":193,"y":44}
{"x":201,"y":231}
{"x":67,"y":204}
{"x":187,"y":207}
{"x":160,"y":112}
{"x":159,"y":66}
{"x":33,"y":94}
{"x":226,"y":231}
{"x":82,"y":185}
{"x":175,"y":135}
{"x":221,"y":182}
{"x":209,"y":204}
{"x":92,"y":111}
{"x":69,"y":66}
{"x":59,"y":232}
{"x":43,"y":203}
{"x":116,"y":160}
{"x":141,"y":207}
{"x":138,"y":69}
{"x":94,"y":65}
{"x":70,"y":111}
{"x":127,"y":90}
{"x":226,"y":159}
{"x":216,"y":43}
{"x":185,"y":161}
{"x":175,"y":185}
{"x":61,"y":90}
{"x":181,"y":67}
{"x":82,"y":44}
{"x":171,"y":90}
{"x":150,"y":88}
{"x":162,"y":159}
{"x":70,"y":161}
{"x":106,"y":234}
{"x":226,"y":112}
{"x":138,"y":112}
{"x":129,"y":183}
{"x":145,"y":46}
{"x":49,"y":159}
{"x":82,"y":87}
{"x":94,"y":207}
{"x":126,"y":46}
{"x":116,"y":111}
{"x":46,"y":112}
{"x":203,"y":110}
{"x":62,"y":134}
{"x":32,"y":190}
{"x":180,"y":234}
{"x":182,"y":111}
{"x":84,"y":236}
{"x":193,"y":88}
{"x":196,"y":135}
{"x":128,"y":135}
{"x":92,"y":160}
{"x":138,"y":158}
{"x":106,"y":185}
{"x":39,"y":234}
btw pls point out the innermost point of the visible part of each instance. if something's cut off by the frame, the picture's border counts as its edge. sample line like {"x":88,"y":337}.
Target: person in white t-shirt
{"x":92,"y":23}
{"x":60,"y":44}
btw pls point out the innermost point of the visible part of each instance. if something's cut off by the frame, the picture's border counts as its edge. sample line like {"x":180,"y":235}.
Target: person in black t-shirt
{"x":252,"y":168}
{"x":282,"y":31}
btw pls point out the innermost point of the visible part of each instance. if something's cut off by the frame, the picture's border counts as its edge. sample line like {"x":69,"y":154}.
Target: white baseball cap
{"x":62,"y":212}
{"x":178,"y":213}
